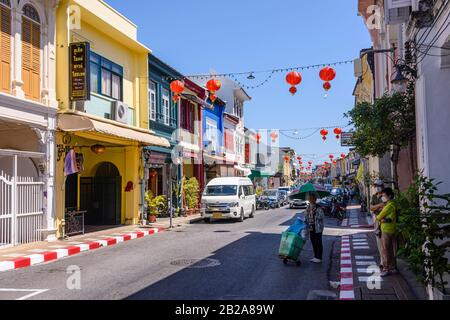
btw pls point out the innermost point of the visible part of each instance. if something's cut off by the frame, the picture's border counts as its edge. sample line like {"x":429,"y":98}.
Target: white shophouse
{"x":27,"y":120}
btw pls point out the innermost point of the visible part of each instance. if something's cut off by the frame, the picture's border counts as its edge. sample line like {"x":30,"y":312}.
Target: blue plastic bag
{"x":298,"y":226}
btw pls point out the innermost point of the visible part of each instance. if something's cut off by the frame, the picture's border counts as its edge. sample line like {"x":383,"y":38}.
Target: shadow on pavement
{"x":248,"y":268}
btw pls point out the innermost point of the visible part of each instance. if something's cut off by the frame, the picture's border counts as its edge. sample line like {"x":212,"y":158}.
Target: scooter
{"x":337,"y":211}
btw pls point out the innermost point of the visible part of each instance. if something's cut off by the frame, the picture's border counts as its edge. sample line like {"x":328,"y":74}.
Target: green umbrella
{"x":308,"y":188}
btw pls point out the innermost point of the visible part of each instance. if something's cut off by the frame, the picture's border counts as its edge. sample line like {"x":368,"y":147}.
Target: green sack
{"x":291,"y":245}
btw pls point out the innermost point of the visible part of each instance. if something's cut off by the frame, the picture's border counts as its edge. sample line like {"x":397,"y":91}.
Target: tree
{"x":388,"y":125}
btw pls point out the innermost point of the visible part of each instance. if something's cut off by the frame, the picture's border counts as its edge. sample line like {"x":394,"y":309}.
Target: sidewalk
{"x":42,"y":252}
{"x":357,"y":259}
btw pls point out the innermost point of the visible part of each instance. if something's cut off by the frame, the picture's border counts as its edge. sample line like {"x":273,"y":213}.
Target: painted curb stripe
{"x":21,"y":262}
{"x":49,"y":256}
{"x":38,"y":258}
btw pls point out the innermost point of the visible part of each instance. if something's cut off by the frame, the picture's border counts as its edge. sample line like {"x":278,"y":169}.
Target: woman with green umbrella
{"x":314,"y":217}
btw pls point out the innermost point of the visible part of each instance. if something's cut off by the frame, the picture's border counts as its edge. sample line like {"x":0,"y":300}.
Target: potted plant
{"x":191,"y":191}
{"x":424,"y":232}
{"x":155,"y":205}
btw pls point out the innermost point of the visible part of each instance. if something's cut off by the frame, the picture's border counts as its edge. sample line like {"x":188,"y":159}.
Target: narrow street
{"x":231,"y":261}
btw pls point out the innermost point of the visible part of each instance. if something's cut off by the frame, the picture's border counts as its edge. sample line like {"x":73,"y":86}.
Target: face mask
{"x":384,"y":199}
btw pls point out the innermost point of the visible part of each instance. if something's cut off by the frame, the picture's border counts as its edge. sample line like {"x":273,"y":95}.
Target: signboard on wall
{"x":79,"y":75}
{"x":346,"y":139}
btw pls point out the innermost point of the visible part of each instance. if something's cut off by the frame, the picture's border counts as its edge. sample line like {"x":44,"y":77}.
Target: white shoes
{"x":315,"y":260}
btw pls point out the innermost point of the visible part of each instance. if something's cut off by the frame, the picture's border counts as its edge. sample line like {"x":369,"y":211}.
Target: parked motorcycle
{"x":262,"y":203}
{"x":338,"y":211}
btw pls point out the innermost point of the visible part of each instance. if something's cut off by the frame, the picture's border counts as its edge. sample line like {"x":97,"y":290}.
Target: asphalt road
{"x":220,"y":261}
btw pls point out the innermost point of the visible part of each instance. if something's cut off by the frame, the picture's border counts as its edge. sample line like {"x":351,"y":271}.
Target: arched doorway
{"x":101,"y":196}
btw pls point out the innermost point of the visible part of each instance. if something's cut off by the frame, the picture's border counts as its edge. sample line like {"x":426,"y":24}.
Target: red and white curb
{"x":34,"y":259}
{"x":346,"y":272}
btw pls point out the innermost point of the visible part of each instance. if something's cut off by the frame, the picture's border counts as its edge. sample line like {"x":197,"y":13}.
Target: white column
{"x":50,"y":60}
{"x":17,"y":54}
{"x":50,"y":177}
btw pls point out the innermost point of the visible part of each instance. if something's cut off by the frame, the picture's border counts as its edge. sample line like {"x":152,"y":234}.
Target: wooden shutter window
{"x":5,"y":49}
{"x":31,"y":45}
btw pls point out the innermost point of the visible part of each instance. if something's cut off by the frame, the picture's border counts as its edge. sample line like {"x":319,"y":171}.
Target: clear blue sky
{"x":243,"y":35}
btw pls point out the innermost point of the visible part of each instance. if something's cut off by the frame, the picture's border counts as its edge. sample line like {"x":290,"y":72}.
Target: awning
{"x":245,"y":171}
{"x":189,"y":146}
{"x":77,"y":123}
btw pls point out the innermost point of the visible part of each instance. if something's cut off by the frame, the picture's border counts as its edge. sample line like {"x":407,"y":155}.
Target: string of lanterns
{"x":250,"y":74}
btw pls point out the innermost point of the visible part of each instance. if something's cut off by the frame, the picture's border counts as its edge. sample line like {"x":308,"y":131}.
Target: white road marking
{"x":366,"y":263}
{"x":364,"y":257}
{"x":33,"y":292}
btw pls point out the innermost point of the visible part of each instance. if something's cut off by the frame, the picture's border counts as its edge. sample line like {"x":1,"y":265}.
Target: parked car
{"x":229,"y":198}
{"x":298,"y":203}
{"x":274,"y":195}
{"x":287,"y":189}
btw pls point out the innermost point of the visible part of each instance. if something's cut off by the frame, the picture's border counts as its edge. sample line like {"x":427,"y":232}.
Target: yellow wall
{"x":113,"y":37}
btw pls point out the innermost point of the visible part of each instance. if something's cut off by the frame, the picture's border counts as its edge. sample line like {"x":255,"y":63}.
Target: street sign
{"x":79,"y":75}
{"x":346,"y":139}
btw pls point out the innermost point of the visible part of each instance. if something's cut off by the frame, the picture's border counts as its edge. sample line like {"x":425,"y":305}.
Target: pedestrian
{"x":376,"y":205}
{"x":314,"y":217}
{"x":388,"y":220}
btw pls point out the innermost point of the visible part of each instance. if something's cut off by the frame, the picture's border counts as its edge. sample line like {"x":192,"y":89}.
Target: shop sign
{"x":347,"y":139}
{"x":79,"y":75}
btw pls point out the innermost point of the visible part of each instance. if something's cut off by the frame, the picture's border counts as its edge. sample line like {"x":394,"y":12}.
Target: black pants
{"x":316,"y":241}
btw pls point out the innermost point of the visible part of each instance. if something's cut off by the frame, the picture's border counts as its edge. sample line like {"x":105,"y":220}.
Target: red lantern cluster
{"x":213,"y":86}
{"x":324,"y":133}
{"x":177,"y":88}
{"x":294,"y":78}
{"x":327,"y":74}
{"x":338,"y":132}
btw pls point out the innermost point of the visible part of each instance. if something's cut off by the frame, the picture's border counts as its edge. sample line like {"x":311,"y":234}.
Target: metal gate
{"x":21,"y":207}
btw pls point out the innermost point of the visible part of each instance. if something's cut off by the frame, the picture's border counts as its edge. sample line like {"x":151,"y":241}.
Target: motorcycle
{"x":262,"y":203}
{"x":338,"y":211}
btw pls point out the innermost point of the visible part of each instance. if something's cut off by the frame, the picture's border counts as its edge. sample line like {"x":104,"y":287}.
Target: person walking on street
{"x":315,"y":217}
{"x":376,"y":205}
{"x":388,"y":220}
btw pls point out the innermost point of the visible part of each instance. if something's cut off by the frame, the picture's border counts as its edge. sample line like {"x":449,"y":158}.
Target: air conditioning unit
{"x":120,"y":112}
{"x":397,"y":11}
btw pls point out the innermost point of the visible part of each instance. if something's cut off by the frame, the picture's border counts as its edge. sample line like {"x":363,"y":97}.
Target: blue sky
{"x":245,"y":35}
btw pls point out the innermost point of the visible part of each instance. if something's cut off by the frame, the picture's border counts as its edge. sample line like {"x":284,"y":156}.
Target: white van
{"x":229,"y":198}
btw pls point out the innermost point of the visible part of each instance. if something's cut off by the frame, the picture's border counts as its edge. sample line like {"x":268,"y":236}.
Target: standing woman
{"x":388,"y":220}
{"x":314,"y":217}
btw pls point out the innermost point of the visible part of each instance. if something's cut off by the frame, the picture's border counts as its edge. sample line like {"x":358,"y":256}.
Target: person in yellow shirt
{"x":388,"y":220}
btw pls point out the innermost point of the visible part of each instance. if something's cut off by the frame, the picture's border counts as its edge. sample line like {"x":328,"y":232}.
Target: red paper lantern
{"x":310,"y":162}
{"x":324,"y":133}
{"x":212,"y":97}
{"x":331,"y":156}
{"x":213,"y":85}
{"x":343,"y":155}
{"x":299,"y":158}
{"x":177,"y":88}
{"x":294,"y":78}
{"x":327,"y":74}
{"x":274,"y":136}
{"x":258,"y":138}
{"x":286,"y":158}
{"x":337,"y":132}
{"x":293,"y":90}
{"x":327,"y":86}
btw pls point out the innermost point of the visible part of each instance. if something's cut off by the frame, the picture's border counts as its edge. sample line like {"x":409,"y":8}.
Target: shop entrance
{"x":101,"y":196}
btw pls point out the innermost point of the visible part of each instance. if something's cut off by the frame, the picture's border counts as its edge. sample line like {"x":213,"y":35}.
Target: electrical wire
{"x":435,"y":39}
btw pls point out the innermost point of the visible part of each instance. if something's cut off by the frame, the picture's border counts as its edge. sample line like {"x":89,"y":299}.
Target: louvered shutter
{"x":31,"y":59}
{"x":5,"y":49}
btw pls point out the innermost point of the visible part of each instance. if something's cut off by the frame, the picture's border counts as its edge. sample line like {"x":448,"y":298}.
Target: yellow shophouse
{"x":102,"y":90}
